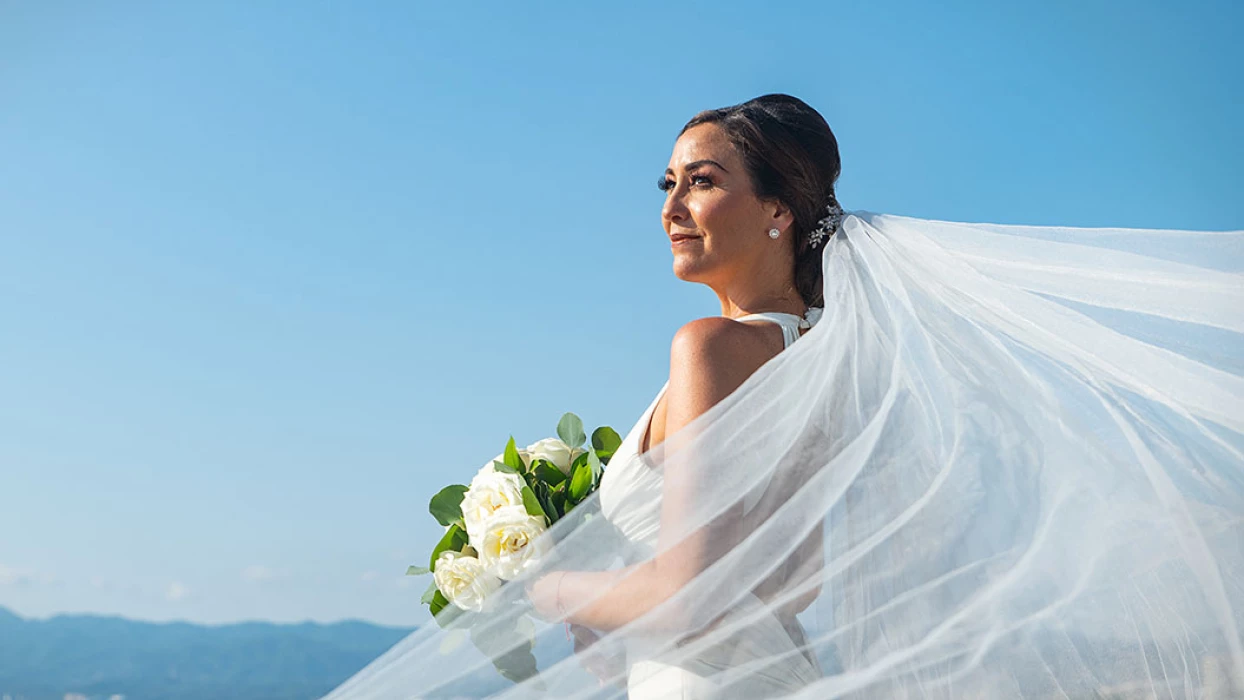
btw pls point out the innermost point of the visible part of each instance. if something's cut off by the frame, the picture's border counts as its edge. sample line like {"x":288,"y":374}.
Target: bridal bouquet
{"x":494,"y":528}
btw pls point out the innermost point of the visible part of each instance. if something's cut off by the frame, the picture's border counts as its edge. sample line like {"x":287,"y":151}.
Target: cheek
{"x":709,"y":212}
{"x":726,"y":219}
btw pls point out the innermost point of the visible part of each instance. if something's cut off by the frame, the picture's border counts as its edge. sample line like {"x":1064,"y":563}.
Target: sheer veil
{"x":1007,"y":462}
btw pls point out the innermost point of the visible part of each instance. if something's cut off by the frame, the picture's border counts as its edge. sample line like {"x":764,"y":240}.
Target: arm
{"x":709,"y":359}
{"x":810,"y":557}
{"x":572,"y":586}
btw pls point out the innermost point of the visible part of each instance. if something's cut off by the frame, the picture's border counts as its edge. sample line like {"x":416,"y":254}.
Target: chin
{"x":689,"y":270}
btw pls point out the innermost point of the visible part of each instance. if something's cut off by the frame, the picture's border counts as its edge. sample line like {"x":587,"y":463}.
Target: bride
{"x":910,"y":459}
{"x":744,"y":192}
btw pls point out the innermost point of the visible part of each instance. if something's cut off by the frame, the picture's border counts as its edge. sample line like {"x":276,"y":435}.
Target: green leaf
{"x":546,"y":501}
{"x":581,"y":459}
{"x":454,"y":540}
{"x":605,"y":441}
{"x":512,"y":458}
{"x":597,"y":468}
{"x":556,"y":502}
{"x":417,"y":570}
{"x":446,"y":505}
{"x":429,"y":593}
{"x":548,"y":473}
{"x":503,"y":467}
{"x":443,"y":611}
{"x":570,"y":430}
{"x":580,"y":483}
{"x":439,"y":602}
{"x":531,"y":503}
{"x":530,"y":479}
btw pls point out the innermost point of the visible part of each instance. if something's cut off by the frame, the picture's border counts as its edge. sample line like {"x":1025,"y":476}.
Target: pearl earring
{"x":774,"y":233}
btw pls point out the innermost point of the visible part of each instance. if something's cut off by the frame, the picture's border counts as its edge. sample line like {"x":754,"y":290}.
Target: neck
{"x":785,"y":301}
{"x":764,"y":283}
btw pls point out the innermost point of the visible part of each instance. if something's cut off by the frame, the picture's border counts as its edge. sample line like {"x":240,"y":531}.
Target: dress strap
{"x":790,"y":323}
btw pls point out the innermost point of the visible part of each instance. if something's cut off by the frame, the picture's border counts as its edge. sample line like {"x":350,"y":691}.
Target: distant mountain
{"x":106,"y":656}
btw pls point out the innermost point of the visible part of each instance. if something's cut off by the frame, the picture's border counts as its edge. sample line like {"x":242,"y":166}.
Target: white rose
{"x":489,"y":492}
{"x":463,"y":580}
{"x":512,"y":541}
{"x":557,"y":452}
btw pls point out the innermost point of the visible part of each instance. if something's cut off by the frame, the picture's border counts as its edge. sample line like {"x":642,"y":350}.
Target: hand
{"x":605,"y":665}
{"x":543,"y":592}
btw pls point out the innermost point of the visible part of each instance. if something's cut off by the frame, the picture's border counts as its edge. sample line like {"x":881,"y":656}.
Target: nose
{"x":675,"y":210}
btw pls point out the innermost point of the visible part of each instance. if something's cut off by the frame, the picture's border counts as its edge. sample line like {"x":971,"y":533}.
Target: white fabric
{"x":1009,"y":459}
{"x":630,"y":492}
{"x":630,"y":498}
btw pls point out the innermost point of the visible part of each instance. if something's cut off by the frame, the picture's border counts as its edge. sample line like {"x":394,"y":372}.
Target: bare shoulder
{"x":710,"y":357}
{"x":718,"y":338}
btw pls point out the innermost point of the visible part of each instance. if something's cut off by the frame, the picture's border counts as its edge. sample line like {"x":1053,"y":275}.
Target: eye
{"x":665,"y":184}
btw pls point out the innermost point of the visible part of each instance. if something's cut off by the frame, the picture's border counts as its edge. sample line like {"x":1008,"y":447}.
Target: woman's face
{"x":717,"y":226}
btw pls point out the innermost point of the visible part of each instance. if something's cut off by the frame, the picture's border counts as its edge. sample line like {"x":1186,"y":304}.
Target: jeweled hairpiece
{"x":826,"y":226}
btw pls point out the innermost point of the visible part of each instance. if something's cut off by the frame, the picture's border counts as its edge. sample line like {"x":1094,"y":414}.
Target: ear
{"x":779,"y":215}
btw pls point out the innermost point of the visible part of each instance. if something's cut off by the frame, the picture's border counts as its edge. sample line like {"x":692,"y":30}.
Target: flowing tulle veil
{"x":1019,"y":452}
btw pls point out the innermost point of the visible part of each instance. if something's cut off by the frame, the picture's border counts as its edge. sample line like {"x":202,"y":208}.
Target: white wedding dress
{"x":630,"y":498}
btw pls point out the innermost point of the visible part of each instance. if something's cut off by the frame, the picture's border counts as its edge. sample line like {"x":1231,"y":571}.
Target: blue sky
{"x":272,"y":273}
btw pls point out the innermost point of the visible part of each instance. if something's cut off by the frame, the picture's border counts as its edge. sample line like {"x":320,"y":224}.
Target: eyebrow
{"x":693,"y":165}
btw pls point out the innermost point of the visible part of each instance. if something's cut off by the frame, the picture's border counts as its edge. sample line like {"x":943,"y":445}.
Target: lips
{"x":682,"y":237}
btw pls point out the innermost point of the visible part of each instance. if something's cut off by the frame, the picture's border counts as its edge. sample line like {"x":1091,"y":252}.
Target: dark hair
{"x":792,"y":156}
